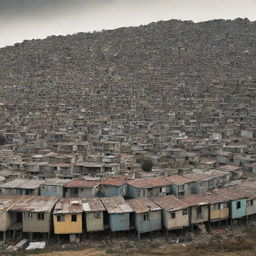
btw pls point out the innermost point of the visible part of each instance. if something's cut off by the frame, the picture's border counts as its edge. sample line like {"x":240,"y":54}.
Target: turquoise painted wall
{"x":238,"y":212}
{"x":152,"y":224}
{"x":119,"y":222}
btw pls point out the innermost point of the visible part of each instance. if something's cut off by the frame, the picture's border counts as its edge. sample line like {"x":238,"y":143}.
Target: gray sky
{"x":28,"y":19}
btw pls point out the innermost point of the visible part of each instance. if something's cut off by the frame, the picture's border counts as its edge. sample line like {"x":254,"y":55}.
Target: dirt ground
{"x":239,"y":240}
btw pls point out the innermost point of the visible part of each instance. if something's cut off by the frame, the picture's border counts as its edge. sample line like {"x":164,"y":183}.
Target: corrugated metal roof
{"x":92,"y":205}
{"x":7,"y":201}
{"x":81,"y":183}
{"x":149,"y":183}
{"x":232,"y":192}
{"x":13,"y":183}
{"x":34,"y":204}
{"x":55,"y":181}
{"x":178,"y":179}
{"x":113,"y":182}
{"x":116,"y":205}
{"x":142,"y":205}
{"x":31,"y":184}
{"x":68,"y":205}
{"x":169,"y":203}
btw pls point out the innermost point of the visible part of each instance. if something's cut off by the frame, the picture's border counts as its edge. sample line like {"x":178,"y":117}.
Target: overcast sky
{"x":28,"y":19}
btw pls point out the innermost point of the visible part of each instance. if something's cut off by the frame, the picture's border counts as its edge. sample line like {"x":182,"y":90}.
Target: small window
{"x":97,"y":215}
{"x":28,"y":216}
{"x":249,"y":203}
{"x":73,"y":218}
{"x":185,"y":212}
{"x":60,"y":218}
{"x":40,"y":216}
{"x":173,"y":215}
{"x":145,"y":217}
{"x":181,"y":187}
{"x":238,"y":205}
{"x":199,"y":212}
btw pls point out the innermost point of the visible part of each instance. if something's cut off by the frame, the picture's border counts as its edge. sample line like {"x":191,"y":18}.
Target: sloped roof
{"x":169,"y":203}
{"x":116,"y":205}
{"x":142,"y":205}
{"x":92,"y":204}
{"x":34,"y":204}
{"x":81,"y":183}
{"x":149,"y":183}
{"x":68,"y":205}
{"x":178,"y":179}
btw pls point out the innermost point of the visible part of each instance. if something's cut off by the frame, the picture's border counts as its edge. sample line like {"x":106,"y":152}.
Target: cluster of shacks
{"x":73,"y":216}
{"x":178,"y":185}
{"x":80,"y":114}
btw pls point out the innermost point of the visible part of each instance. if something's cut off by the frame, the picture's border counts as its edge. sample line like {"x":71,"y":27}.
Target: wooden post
{"x":4,"y":236}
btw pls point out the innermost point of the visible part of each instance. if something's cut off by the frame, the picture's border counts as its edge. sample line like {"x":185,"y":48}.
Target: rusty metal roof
{"x":169,"y":203}
{"x":197,"y":176}
{"x":229,"y":168}
{"x":7,"y":201}
{"x":31,"y":184}
{"x":13,"y":183}
{"x":81,"y":183}
{"x":34,"y":204}
{"x":55,"y":182}
{"x":149,"y":183}
{"x":92,"y":205}
{"x":116,"y":204}
{"x":142,"y":205}
{"x":178,"y":179}
{"x":232,"y":192}
{"x":193,"y":200}
{"x":113,"y":182}
{"x":68,"y":205}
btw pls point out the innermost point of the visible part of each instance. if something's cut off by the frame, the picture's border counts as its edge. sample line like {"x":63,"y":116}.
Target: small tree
{"x":2,"y":140}
{"x":147,"y":165}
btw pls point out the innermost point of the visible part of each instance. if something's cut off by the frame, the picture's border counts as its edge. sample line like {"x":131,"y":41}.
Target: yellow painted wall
{"x":219,"y":214}
{"x":66,"y":226}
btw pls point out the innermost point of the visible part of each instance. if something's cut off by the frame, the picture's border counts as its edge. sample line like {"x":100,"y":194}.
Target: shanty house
{"x":36,"y":213}
{"x":94,"y":214}
{"x":81,"y":188}
{"x":146,"y":215}
{"x":148,"y":187}
{"x":118,"y":213}
{"x":67,"y":216}
{"x":21,"y":187}
{"x":53,"y":187}
{"x":175,"y":213}
{"x":218,"y":206}
{"x":7,"y":220}
{"x":113,"y":187}
{"x":180,"y":186}
{"x":237,"y":199}
{"x":199,"y":210}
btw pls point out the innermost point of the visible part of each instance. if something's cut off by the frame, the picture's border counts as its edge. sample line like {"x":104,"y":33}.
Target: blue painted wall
{"x":46,"y":190}
{"x":152,"y":224}
{"x":109,"y":191}
{"x":238,"y":213}
{"x":119,"y":222}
